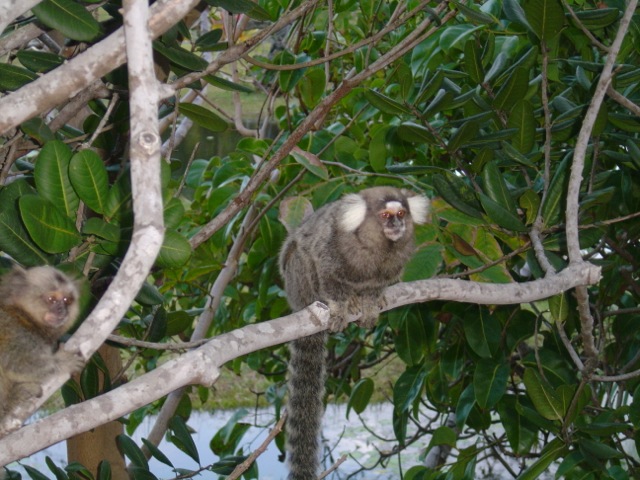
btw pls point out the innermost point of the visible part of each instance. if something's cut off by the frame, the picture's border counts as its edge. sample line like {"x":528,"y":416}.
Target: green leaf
{"x":455,"y":36}
{"x":203,"y":117}
{"x":119,"y":199}
{"x":228,"y":437}
{"x":500,"y":215}
{"x":312,"y":87}
{"x":149,"y":295}
{"x":14,"y":238}
{"x":513,"y":90}
{"x":530,"y":202}
{"x":90,"y":381}
{"x":52,"y":177}
{"x":490,"y":382}
{"x":408,"y":387}
{"x":497,"y":67}
{"x":482,"y":331}
{"x":181,"y":57}
{"x":178,"y":322}
{"x":385,"y":104}
{"x":412,"y":132}
{"x":496,"y":188}
{"x":544,"y":397}
{"x":98,"y":227}
{"x":52,"y":231}
{"x":553,"y":207}
{"x":522,"y":118}
{"x":514,"y":12}
{"x":13,"y":77}
{"x":39,"y":61}
{"x":424,"y":263}
{"x":466,"y":402}
{"x":627,"y":123}
{"x":56,"y":470}
{"x":411,"y":340}
{"x":175,"y":250}
{"x":88,"y":176}
{"x":403,"y":76}
{"x":516,"y":156}
{"x":473,"y":61}
{"x":129,"y":448}
{"x":225,"y":84}
{"x":209,"y":39}
{"x":293,"y":210}
{"x":521,"y":433}
{"x":378,"y":150}
{"x":182,"y":438}
{"x":550,"y":453}
{"x":443,"y":436}
{"x":104,"y":470}
{"x":546,"y":18}
{"x":466,"y":132}
{"x":37,"y":129}
{"x":597,"y":18}
{"x":559,"y":307}
{"x":288,"y":79}
{"x":457,"y":194}
{"x":442,"y":100}
{"x":228,"y":464}
{"x":35,"y":474}
{"x":400,"y":423}
{"x":173,"y":213}
{"x":311,"y":162}
{"x":360,"y":395}
{"x":69,"y":18}
{"x":475,"y":16}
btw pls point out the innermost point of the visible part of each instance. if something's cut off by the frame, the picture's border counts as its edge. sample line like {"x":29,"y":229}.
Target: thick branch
{"x":201,"y":366}
{"x":582,"y":143}
{"x":575,"y":180}
{"x":12,"y":9}
{"x":74,"y":76}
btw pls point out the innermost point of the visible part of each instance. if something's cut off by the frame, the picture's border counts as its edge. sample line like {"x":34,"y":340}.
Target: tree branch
{"x":575,"y":180}
{"x":201,"y":366}
{"x":75,"y":75}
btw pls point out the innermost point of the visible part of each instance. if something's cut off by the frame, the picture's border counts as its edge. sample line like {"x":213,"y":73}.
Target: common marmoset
{"x":343,"y":255}
{"x":37,"y":306}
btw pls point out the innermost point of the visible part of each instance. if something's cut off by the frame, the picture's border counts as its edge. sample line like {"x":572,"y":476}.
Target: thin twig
{"x":244,"y":466}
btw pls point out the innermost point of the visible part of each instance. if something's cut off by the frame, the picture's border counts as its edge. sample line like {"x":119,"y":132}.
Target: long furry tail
{"x":305,"y":408}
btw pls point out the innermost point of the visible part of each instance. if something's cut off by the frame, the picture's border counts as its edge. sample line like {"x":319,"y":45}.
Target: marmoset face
{"x":392,"y":219}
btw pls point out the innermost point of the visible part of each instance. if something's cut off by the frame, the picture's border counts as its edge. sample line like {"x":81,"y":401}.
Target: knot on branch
{"x":146,"y":143}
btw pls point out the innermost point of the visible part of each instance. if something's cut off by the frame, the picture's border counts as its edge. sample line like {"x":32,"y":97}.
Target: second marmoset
{"x":344,"y":255}
{"x":37,"y":306}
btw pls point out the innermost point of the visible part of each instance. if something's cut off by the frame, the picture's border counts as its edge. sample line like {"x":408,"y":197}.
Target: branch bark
{"x":12,"y":9}
{"x":575,"y":180}
{"x":74,"y":76}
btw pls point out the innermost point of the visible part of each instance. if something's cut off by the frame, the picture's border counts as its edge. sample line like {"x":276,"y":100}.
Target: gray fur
{"x":36,"y":307}
{"x":332,"y":258}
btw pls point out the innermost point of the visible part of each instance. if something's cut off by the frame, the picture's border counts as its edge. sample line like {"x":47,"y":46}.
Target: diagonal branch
{"x":201,"y":366}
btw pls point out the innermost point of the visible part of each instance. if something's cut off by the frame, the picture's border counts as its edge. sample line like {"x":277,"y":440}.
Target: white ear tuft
{"x":352,"y":212}
{"x":419,"y":207}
